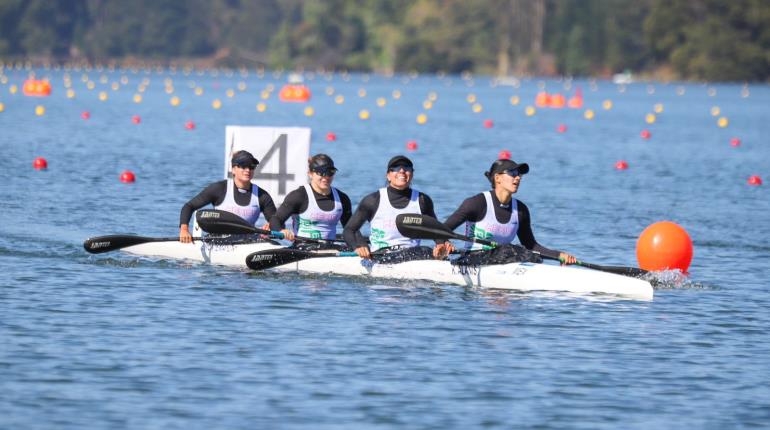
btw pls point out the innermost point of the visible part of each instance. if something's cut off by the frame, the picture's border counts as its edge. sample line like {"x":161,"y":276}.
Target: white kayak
{"x":511,"y":276}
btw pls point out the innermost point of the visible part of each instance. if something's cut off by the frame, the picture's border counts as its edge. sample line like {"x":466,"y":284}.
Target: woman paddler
{"x":380,"y":209}
{"x":316,"y":207}
{"x":237,"y":195}
{"x":496,"y":216}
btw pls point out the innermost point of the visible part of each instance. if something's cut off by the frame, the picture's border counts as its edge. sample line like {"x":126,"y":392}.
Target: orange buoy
{"x":40,"y":163}
{"x":754,"y":180}
{"x":645,"y":134}
{"x":735,"y":142}
{"x":557,"y":101}
{"x":488,"y":123}
{"x":504,"y":155}
{"x":294,"y":93}
{"x":664,"y":245}
{"x":136,"y":119}
{"x":189,"y":125}
{"x":561,"y":128}
{"x":331,"y":137}
{"x":36,"y":88}
{"x":127,"y":177}
{"x":621,"y":165}
{"x":85,"y":114}
{"x":411,"y":146}
{"x":542,"y":99}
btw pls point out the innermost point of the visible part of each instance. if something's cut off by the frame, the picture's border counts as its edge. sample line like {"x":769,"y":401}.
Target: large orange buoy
{"x":36,"y":88}
{"x":294,"y":93}
{"x":663,"y":246}
{"x":542,"y":99}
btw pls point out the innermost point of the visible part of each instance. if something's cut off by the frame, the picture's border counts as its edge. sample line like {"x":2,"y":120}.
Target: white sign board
{"x":282,"y":153}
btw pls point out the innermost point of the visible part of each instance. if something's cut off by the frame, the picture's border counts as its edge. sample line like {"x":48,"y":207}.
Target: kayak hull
{"x":511,"y":276}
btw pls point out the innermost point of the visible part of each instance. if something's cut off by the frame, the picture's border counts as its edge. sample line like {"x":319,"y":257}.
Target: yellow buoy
{"x":137,"y":98}
{"x":2,"y":107}
{"x":588,"y":114}
{"x":649,"y":118}
{"x":715,"y":111}
{"x":103,"y":96}
{"x":427,"y":104}
{"x":515,"y":100}
{"x":39,"y":110}
{"x":361,"y":92}
{"x":476,"y":108}
{"x":396,"y":94}
{"x":13,"y":89}
{"x":471,"y":98}
{"x":175,"y":101}
{"x":90,"y":85}
{"x":658,"y":108}
{"x":422,"y":119}
{"x":529,"y":110}
{"x":339,"y":99}
{"x":70,"y":93}
{"x":261,"y":107}
{"x":381,"y":102}
{"x":607,"y":104}
{"x":265,"y":94}
{"x":309,"y":111}
{"x":216,"y":104}
{"x":363,"y":114}
{"x":198,"y":91}
{"x":329,"y":91}
{"x":722,"y":122}
{"x":230,"y":93}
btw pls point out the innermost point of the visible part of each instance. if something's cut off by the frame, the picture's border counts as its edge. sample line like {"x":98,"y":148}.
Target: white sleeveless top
{"x":249,"y":212}
{"x":316,"y":223}
{"x":383,"y":225}
{"x":490,"y":229}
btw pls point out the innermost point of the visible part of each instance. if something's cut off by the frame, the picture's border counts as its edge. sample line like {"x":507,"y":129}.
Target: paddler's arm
{"x":527,"y":238}
{"x":294,"y":203}
{"x":214,"y":194}
{"x":426,"y":208}
{"x":266,"y":206}
{"x":472,"y":209}
{"x":347,"y":208}
{"x":352,"y":232}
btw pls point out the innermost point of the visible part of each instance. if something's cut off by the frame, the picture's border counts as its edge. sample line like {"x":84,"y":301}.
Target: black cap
{"x":321,"y":162}
{"x":400,"y":160}
{"x":502,"y":165}
{"x":243,"y":158}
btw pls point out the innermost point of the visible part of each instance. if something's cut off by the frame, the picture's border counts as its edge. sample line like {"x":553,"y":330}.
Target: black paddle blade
{"x":216,"y":221}
{"x":101,"y":244}
{"x":418,"y":226}
{"x":270,"y":258}
{"x":634,"y":272}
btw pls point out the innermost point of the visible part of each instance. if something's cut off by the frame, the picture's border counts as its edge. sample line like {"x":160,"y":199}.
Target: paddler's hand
{"x":184,"y":234}
{"x":287,"y":234}
{"x":567,"y":259}
{"x":441,"y":250}
{"x":364,"y":252}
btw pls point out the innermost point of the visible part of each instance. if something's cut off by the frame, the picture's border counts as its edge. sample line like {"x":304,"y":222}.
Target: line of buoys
{"x":127,"y":177}
{"x":36,"y":88}
{"x":40,"y":163}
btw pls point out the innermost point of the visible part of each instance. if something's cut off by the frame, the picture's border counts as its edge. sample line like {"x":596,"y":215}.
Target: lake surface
{"x":114,"y":341}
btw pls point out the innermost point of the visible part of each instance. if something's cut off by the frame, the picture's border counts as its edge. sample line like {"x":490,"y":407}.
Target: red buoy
{"x":127,"y":177}
{"x":488,"y":123}
{"x":136,"y":119}
{"x":621,"y":165}
{"x":645,"y":134}
{"x":754,"y":180}
{"x":561,"y":128}
{"x":504,"y":155}
{"x":189,"y":125}
{"x":411,"y":146}
{"x":85,"y":114}
{"x":663,"y":246}
{"x":735,"y":142}
{"x":331,"y":137}
{"x":40,"y":163}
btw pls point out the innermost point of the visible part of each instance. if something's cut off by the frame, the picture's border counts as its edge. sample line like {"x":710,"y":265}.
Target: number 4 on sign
{"x":282,"y":176}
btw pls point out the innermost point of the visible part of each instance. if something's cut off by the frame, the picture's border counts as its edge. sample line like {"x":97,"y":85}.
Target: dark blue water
{"x":114,"y":341}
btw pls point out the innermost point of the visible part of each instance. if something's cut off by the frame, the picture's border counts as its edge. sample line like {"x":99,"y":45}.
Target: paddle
{"x":270,"y":258}
{"x":418,"y":226}
{"x":223,"y":222}
{"x":101,"y":244}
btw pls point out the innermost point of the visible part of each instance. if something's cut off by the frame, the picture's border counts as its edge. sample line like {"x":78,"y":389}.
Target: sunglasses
{"x":512,"y":172}
{"x":326,"y":172}
{"x":396,"y":168}
{"x":245,"y":165}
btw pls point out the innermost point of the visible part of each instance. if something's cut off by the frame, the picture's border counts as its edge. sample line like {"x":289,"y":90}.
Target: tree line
{"x":715,"y":40}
